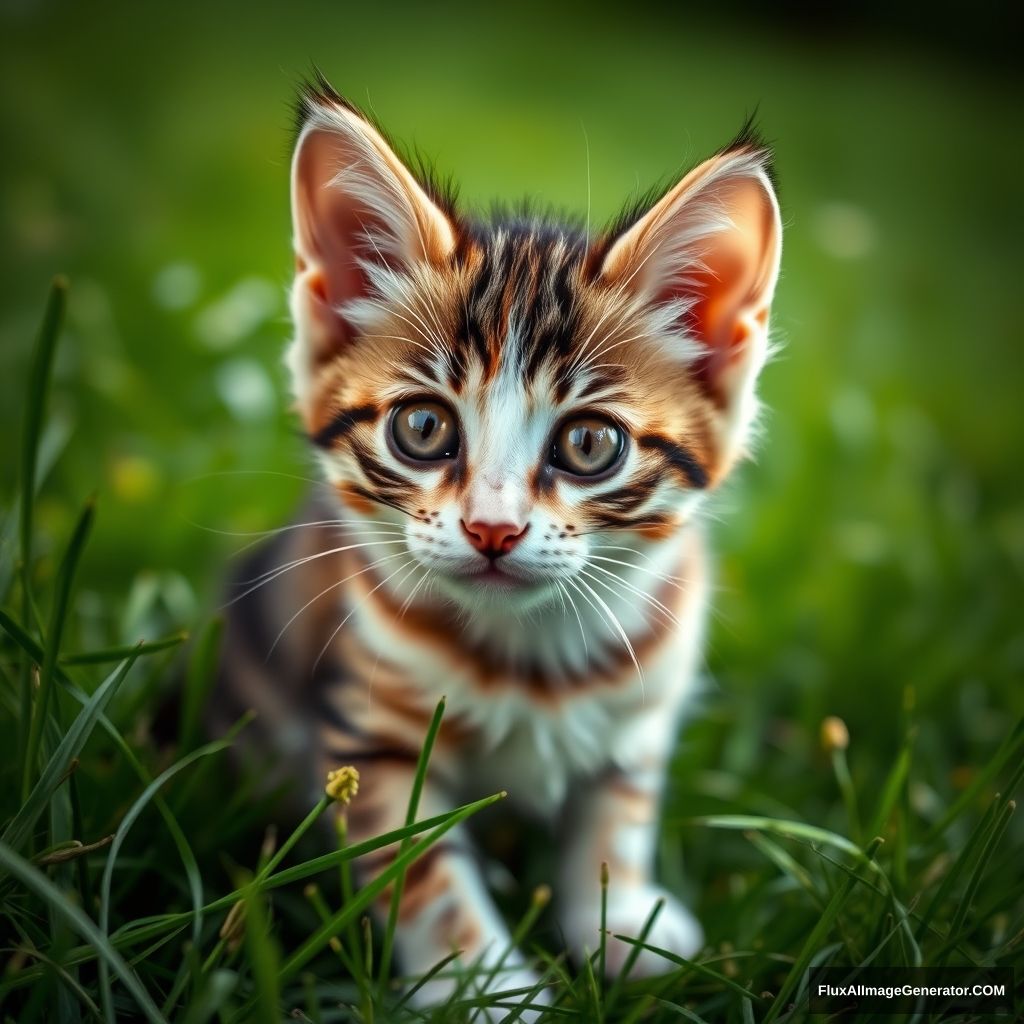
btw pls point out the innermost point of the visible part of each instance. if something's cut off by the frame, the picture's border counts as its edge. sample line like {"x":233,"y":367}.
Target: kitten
{"x":519,"y":424}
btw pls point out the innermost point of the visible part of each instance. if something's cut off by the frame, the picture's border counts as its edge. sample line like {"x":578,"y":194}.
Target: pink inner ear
{"x":714,"y":297}
{"x":331,"y":231}
{"x":732,"y":295}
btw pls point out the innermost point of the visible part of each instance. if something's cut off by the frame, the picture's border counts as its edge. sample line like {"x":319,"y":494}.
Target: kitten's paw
{"x":675,"y":930}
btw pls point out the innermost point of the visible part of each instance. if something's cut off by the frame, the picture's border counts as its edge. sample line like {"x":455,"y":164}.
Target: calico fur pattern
{"x":567,"y":661}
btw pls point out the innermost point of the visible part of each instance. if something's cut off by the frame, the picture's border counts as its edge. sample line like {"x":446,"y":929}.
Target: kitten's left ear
{"x":709,"y":251}
{"x":356,"y":210}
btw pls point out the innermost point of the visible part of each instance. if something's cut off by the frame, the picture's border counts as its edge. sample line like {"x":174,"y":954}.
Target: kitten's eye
{"x":425,"y":431}
{"x":586,"y":446}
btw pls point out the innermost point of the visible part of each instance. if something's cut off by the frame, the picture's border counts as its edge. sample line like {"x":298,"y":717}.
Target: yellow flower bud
{"x":342,"y":784}
{"x":834,"y":734}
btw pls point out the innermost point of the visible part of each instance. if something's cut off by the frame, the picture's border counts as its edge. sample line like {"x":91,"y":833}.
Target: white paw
{"x":675,"y":929}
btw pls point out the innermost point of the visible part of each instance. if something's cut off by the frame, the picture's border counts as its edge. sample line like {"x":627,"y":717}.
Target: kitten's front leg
{"x":444,"y":904}
{"x":615,"y":821}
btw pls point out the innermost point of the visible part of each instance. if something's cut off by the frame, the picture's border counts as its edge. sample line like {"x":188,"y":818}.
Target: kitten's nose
{"x":493,"y":539}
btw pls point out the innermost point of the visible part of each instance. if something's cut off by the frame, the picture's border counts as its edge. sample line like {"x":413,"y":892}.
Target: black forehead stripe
{"x":677,"y":456}
{"x":342,"y":423}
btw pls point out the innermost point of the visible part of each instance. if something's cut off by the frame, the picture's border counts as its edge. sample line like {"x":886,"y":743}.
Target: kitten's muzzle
{"x":493,"y":540}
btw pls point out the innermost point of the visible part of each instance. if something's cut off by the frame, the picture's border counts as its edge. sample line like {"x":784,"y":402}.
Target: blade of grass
{"x":123,"y":829}
{"x":550,"y":974}
{"x":964,"y":906}
{"x":51,"y":648}
{"x":143,"y":929}
{"x":35,"y":881}
{"x":20,"y":828}
{"x":975,"y":841}
{"x":202,"y":670}
{"x":602,"y":949}
{"x":814,"y":941}
{"x":682,"y":1011}
{"x":540,"y":899}
{"x":35,"y":406}
{"x":693,"y":965}
{"x":785,"y":863}
{"x":264,"y":959}
{"x":894,"y":785}
{"x":631,"y":958}
{"x":320,"y":908}
{"x":780,"y":826}
{"x":211,"y":997}
{"x":423,"y":979}
{"x":410,"y":816}
{"x":108,"y":654}
{"x":365,"y":896}
{"x":1011,"y":747}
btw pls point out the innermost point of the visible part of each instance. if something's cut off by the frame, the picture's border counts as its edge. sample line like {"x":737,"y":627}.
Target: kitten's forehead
{"x":522,"y":299}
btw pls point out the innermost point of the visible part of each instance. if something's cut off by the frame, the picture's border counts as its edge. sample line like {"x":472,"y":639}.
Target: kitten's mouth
{"x":495,"y":576}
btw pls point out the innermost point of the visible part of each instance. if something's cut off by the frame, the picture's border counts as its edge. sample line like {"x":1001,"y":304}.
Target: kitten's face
{"x":520,"y":399}
{"x":514,"y":410}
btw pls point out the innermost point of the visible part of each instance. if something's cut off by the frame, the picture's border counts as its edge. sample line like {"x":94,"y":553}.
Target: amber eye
{"x":586,"y":446}
{"x":425,"y":431}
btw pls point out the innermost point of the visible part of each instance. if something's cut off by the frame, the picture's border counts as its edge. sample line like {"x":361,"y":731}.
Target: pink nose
{"x":493,"y":539}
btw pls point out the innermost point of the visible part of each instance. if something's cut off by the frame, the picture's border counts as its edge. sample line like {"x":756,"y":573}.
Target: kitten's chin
{"x":494,"y":588}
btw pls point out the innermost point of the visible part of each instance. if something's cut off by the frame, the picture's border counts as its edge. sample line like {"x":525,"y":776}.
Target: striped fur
{"x":566,"y":662}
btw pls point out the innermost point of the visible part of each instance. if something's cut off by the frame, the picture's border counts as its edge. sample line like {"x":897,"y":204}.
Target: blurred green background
{"x":876,"y":544}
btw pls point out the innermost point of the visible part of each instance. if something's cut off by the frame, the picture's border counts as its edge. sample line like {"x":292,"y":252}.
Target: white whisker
{"x":614,"y":622}
{"x":273,"y":574}
{"x":355,"y":608}
{"x":328,"y":589}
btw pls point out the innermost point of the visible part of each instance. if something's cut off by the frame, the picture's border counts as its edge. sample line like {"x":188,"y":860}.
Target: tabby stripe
{"x":342,"y":423}
{"x":678,"y":457}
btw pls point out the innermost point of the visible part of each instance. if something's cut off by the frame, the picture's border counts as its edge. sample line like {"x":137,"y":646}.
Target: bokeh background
{"x":870,"y":560}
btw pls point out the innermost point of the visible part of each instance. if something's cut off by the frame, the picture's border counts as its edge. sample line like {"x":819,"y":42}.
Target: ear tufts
{"x":315,"y":93}
{"x":749,"y":139}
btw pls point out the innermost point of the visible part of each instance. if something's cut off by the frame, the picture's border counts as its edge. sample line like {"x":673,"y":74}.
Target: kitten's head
{"x":511,"y":392}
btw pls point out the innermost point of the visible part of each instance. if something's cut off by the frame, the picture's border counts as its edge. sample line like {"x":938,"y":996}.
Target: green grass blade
{"x":144,"y":929}
{"x":35,"y":881}
{"x":20,"y":828}
{"x":421,"y":981}
{"x":975,"y":841}
{"x":106,"y":655}
{"x":814,"y":941}
{"x":785,"y":863}
{"x":780,"y":826}
{"x":683,"y":1011}
{"x":202,"y":671}
{"x":126,"y":823}
{"x":894,"y":786}
{"x":263,"y":959}
{"x":632,"y":957}
{"x":1011,"y":748}
{"x":410,"y":816}
{"x":695,"y":966}
{"x":602,"y":948}
{"x":35,"y":406}
{"x":216,"y":989}
{"x":177,"y":835}
{"x":365,"y":896}
{"x":1000,"y":825}
{"x":51,"y":649}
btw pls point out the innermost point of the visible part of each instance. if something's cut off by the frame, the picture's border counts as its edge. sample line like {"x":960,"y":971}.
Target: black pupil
{"x":584,"y":439}
{"x":424,"y":422}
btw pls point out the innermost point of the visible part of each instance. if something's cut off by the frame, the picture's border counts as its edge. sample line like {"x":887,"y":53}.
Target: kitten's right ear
{"x":356,"y":208}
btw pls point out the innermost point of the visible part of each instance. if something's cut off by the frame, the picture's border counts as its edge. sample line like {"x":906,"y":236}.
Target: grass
{"x":939,"y":893}
{"x":869,"y":562}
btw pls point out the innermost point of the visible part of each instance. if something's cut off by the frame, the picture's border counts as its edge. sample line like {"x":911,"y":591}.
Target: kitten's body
{"x":557,"y":606}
